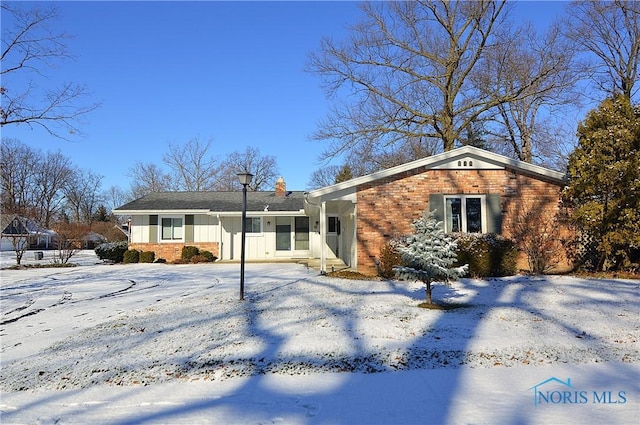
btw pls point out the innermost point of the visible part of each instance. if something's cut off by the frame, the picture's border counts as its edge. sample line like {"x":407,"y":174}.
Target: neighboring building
{"x":24,"y":231}
{"x":92,"y":239}
{"x":472,"y":190}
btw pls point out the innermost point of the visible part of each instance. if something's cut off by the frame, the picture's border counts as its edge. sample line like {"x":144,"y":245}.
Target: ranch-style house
{"x":471,"y":190}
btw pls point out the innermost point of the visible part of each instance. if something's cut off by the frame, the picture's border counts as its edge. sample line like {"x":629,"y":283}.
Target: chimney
{"x":281,"y":187}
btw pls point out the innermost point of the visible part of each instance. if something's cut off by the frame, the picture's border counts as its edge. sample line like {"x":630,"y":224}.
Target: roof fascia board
{"x":257,"y":213}
{"x":147,"y":212}
{"x":521,"y":165}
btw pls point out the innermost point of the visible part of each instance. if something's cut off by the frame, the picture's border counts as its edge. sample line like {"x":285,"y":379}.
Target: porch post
{"x":323,"y":237}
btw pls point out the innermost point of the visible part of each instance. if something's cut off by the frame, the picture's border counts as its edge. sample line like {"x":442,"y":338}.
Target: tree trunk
{"x":428,"y":292}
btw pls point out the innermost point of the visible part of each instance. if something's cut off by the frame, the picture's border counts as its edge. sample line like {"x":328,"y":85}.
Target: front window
{"x":333,"y":225}
{"x":171,"y":228}
{"x":464,"y":214}
{"x":253,"y":225}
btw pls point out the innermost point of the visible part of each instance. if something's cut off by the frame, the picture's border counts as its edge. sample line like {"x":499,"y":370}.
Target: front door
{"x":283,"y":233}
{"x":333,"y":235}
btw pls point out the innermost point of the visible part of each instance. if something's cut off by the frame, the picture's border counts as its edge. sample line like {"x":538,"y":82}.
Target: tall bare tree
{"x":610,"y":31}
{"x":54,"y":173}
{"x":263,"y":167}
{"x":147,"y":178}
{"x":19,"y":164}
{"x":29,"y":48}
{"x":324,"y":176}
{"x":538,"y":73}
{"x":83,"y":195}
{"x":114,"y":197}
{"x":408,"y":66}
{"x":193,"y":166}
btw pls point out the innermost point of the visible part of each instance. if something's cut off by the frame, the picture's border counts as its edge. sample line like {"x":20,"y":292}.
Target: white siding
{"x":205,"y":228}
{"x":140,"y":229}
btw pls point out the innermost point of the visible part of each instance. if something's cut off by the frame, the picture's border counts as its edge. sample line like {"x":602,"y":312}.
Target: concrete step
{"x":332,"y":264}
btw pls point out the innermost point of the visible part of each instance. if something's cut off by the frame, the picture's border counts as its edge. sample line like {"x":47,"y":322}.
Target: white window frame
{"x":463,"y":209}
{"x":253,"y":234}
{"x":160,"y":228}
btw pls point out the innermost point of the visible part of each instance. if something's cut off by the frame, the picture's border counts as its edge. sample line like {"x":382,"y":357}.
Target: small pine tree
{"x":344,"y":174}
{"x":428,"y":255}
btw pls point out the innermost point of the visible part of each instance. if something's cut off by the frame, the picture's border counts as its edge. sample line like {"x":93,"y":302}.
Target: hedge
{"x":487,"y":254}
{"x":112,"y":251}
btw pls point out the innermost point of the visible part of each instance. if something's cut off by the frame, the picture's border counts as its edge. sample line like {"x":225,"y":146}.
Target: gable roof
{"x":12,"y":224}
{"x":214,"y":202}
{"x":464,"y":158}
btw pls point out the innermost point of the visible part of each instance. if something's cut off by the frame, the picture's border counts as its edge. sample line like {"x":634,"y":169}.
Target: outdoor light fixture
{"x":245,"y":180}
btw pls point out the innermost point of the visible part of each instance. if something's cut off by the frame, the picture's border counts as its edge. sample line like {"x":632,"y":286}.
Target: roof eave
{"x":160,"y":211}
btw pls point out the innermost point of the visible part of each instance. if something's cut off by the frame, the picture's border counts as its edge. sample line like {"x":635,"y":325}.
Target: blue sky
{"x":171,"y":71}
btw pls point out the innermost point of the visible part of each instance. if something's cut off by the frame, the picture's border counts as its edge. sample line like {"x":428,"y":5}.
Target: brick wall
{"x":173,"y":251}
{"x":388,"y":207}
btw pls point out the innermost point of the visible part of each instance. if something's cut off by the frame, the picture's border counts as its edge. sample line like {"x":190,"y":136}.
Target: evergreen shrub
{"x":208,"y":255}
{"x":389,"y":258}
{"x":147,"y":257}
{"x":131,"y":256}
{"x":487,"y":254}
{"x":189,"y":251}
{"x":112,"y":251}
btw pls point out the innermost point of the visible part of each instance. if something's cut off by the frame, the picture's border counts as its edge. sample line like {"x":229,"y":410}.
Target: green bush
{"x":147,"y":257}
{"x":189,"y":251}
{"x":131,"y":256}
{"x":487,"y":254}
{"x":161,"y":261}
{"x":389,"y":258}
{"x":112,"y":251}
{"x":208,"y":255}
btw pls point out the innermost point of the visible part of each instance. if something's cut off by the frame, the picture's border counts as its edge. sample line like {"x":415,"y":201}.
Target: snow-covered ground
{"x":154,"y":343}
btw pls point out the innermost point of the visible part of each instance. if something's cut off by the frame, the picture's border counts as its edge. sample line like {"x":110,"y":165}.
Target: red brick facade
{"x":387,"y":207}
{"x":173,"y":251}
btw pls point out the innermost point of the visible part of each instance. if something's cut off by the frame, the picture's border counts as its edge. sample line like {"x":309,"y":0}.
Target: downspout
{"x":220,"y":239}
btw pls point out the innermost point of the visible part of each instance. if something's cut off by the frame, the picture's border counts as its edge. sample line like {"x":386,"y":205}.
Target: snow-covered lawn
{"x":154,"y":343}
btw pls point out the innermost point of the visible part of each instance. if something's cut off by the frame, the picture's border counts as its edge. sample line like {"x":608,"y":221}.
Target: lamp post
{"x":245,"y":180}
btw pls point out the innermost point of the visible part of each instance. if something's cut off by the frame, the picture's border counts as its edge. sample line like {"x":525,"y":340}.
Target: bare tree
{"x":16,"y":230}
{"x":263,"y":168}
{"x":324,"y":176}
{"x":70,"y":242}
{"x":19,"y":164}
{"x":83,"y":195}
{"x":148,"y":178}
{"x":193,"y":167}
{"x":538,"y":73}
{"x":408,"y":67}
{"x":29,"y":47}
{"x":114,"y":197}
{"x":610,"y":31}
{"x":53,"y":174}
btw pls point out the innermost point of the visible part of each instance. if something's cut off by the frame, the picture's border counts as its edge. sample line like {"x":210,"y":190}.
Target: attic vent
{"x":465,"y":163}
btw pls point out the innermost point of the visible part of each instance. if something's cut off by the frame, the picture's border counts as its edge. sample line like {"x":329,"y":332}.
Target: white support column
{"x":323,"y":237}
{"x":354,"y":243}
